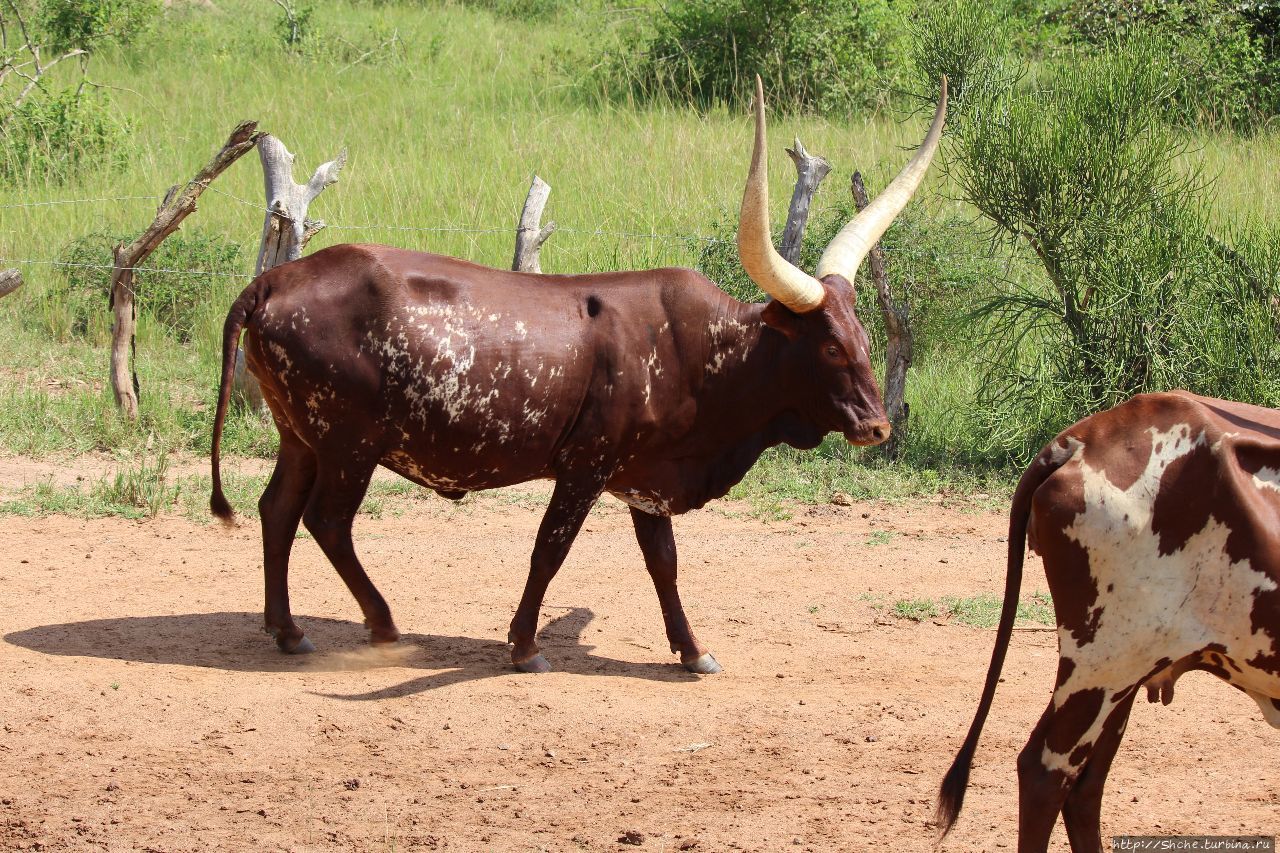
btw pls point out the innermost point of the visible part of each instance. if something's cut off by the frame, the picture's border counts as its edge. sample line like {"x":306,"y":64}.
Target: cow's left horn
{"x":776,"y":276}
{"x":850,"y":246}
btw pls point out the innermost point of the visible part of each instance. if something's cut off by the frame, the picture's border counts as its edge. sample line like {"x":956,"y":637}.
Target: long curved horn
{"x":776,"y":276}
{"x":850,"y":246}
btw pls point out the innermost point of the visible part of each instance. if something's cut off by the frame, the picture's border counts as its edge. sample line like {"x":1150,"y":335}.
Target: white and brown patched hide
{"x":1160,"y":533}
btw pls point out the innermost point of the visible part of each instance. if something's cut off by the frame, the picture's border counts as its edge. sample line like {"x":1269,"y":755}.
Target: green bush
{"x":826,"y":56}
{"x":52,"y":137}
{"x":174,"y":286}
{"x":1135,"y":294}
{"x":1224,"y":53}
{"x":86,"y":24}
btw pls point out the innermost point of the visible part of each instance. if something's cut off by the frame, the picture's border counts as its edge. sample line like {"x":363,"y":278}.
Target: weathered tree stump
{"x":285,"y":232}
{"x":178,"y":204}
{"x":898,"y":346}
{"x":10,"y":280}
{"x":810,"y":170}
{"x":286,"y":228}
{"x":530,"y":233}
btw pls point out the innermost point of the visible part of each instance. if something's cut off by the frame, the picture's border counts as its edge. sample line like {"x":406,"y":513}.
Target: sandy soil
{"x":143,"y":709}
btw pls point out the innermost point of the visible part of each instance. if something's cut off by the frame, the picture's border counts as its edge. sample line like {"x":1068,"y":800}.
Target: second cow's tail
{"x":951,"y":794}
{"x":241,"y":310}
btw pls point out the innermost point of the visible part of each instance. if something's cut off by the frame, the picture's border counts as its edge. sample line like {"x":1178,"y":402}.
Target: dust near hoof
{"x":375,"y":656}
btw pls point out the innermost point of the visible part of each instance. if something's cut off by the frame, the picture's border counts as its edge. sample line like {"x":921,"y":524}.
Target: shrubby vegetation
{"x":174,"y":286}
{"x":1137,"y":294}
{"x":54,"y":120}
{"x":827,"y":56}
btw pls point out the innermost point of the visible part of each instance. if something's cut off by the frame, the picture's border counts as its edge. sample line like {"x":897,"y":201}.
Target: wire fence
{"x":370,"y":226}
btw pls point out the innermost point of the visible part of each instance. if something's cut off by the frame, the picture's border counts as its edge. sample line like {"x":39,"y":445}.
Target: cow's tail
{"x":241,"y":310}
{"x":951,"y":794}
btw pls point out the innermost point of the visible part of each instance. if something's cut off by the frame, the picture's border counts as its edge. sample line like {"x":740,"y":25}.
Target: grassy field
{"x":444,"y":124}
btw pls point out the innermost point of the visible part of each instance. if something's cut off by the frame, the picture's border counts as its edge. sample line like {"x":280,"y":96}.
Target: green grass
{"x":978,"y":611}
{"x":444,"y":137}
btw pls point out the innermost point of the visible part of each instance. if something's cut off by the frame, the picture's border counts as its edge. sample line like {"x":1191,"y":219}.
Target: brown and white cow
{"x":654,"y":386}
{"x":1159,"y":525}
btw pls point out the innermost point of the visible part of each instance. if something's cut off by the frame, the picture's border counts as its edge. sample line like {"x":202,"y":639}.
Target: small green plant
{"x":983,"y":611}
{"x":879,"y":537}
{"x":141,"y":487}
{"x":915,"y":609}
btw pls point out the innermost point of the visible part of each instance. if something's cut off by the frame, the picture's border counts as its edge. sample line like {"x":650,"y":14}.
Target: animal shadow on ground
{"x":234,"y":642}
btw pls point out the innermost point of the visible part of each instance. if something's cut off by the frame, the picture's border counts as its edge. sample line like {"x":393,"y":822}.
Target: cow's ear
{"x":781,"y":318}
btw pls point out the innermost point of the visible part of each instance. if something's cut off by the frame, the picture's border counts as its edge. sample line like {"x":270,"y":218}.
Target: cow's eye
{"x":833,"y":351}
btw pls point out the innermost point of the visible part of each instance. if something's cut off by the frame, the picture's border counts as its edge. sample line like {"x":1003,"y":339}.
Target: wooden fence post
{"x":10,"y":280}
{"x":285,"y":231}
{"x":178,"y":204}
{"x":897,"y":325}
{"x":810,"y":170}
{"x":530,"y":232}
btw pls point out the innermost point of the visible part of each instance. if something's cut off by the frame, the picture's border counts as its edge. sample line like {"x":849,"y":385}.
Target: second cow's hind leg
{"x":330,"y":512}
{"x":281,"y":509}
{"x":658,"y":544}
{"x":1082,"y":811}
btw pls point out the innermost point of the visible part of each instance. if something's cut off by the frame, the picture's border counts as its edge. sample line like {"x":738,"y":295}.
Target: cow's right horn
{"x":776,"y":276}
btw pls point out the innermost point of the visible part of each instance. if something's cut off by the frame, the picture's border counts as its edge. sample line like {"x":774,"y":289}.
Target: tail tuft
{"x":951,"y":793}
{"x":221,"y":508}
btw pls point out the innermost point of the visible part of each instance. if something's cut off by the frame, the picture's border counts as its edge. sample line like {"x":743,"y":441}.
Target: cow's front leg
{"x":658,"y":544}
{"x":570,"y":502}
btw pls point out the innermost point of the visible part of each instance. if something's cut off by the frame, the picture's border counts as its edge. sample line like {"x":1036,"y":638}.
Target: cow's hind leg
{"x":658,"y":544}
{"x":1061,"y":745}
{"x":1082,"y":811}
{"x":330,"y":512}
{"x":281,"y":509}
{"x":570,"y":502}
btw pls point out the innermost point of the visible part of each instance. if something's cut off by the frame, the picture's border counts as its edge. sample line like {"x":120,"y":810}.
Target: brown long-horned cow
{"x":654,"y":386}
{"x":1159,"y":525}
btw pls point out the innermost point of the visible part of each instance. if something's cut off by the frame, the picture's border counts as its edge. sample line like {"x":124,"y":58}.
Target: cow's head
{"x":836,"y":386}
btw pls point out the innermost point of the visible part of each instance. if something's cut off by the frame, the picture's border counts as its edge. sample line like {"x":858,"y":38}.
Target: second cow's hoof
{"x":704,"y":665}
{"x":537,"y":663}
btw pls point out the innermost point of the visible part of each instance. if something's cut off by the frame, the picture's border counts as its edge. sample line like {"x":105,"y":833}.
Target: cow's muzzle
{"x":869,"y":434}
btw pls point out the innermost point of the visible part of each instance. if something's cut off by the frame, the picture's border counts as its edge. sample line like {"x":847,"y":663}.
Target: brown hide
{"x":1159,"y":525}
{"x":655,"y":386}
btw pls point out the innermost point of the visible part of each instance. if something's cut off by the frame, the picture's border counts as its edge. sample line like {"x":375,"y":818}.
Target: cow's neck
{"x":746,"y":402}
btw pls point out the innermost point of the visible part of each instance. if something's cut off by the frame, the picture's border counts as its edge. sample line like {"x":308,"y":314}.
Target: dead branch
{"x":810,"y":170}
{"x":10,"y":280}
{"x":178,"y":204}
{"x":897,"y":325}
{"x":530,"y":233}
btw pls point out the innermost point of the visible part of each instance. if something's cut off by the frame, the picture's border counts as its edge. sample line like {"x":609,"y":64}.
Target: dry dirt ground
{"x":143,"y":709}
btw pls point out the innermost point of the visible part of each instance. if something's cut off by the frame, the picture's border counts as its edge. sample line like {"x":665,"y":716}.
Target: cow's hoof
{"x":537,"y":663}
{"x":302,"y":646}
{"x":704,"y":665}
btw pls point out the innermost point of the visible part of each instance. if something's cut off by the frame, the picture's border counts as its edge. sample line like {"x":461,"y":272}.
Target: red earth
{"x":144,"y":709}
